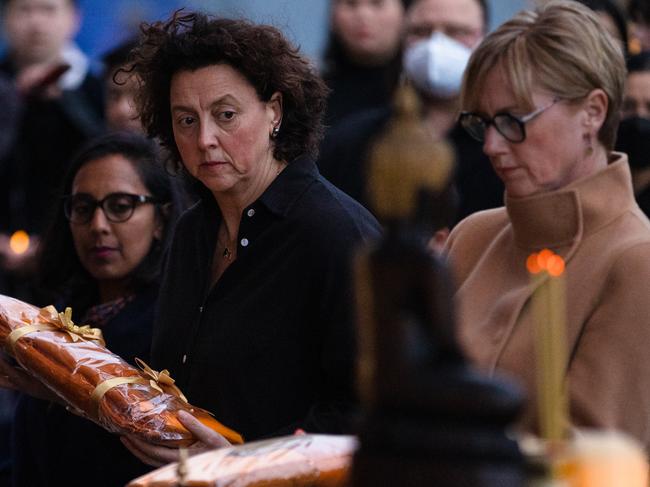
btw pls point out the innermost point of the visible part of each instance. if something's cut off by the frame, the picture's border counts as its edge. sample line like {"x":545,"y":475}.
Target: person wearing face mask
{"x":634,"y":130}
{"x":439,"y":38}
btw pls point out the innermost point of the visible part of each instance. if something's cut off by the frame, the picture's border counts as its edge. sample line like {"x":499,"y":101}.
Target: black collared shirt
{"x":271,"y":346}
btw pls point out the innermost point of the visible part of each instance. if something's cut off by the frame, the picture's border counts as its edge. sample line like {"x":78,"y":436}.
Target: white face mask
{"x":436,"y":65}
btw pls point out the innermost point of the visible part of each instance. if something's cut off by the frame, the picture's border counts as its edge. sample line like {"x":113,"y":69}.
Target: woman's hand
{"x":157,"y":456}
{"x":12,"y":377}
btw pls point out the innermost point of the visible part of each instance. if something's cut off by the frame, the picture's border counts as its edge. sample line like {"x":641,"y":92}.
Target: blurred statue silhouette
{"x":429,"y":418}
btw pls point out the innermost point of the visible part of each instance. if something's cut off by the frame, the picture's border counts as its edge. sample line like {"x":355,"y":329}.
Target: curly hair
{"x":260,"y":53}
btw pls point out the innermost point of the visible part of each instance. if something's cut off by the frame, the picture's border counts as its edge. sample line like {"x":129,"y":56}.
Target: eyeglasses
{"x":117,"y":207}
{"x":511,"y":127}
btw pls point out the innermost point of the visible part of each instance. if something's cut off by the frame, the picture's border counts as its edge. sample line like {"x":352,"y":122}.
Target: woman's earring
{"x":590,"y":147}
{"x":275,"y":132}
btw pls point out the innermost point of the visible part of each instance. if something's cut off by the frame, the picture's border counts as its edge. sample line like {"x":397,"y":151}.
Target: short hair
{"x":60,"y":268}
{"x":260,"y":53}
{"x":616,"y":13}
{"x":561,"y":48}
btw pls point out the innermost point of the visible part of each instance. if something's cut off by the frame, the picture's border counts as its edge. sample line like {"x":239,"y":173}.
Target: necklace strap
{"x":227,"y":254}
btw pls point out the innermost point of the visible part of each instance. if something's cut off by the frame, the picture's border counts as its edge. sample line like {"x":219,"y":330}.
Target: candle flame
{"x":19,"y":242}
{"x":532,"y":264}
{"x":555,"y":266}
{"x":545,"y":260}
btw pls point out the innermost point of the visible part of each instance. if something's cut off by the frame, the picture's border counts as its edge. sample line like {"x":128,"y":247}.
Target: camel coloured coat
{"x":597,"y":227}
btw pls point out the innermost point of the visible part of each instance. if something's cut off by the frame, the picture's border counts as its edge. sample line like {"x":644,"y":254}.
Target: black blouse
{"x":270,"y":347}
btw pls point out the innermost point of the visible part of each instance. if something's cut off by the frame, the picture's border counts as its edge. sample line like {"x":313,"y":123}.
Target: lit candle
{"x":549,"y":310}
{"x":19,"y":242}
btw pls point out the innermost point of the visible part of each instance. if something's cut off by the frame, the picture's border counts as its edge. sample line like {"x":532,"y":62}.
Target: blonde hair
{"x":560,"y":48}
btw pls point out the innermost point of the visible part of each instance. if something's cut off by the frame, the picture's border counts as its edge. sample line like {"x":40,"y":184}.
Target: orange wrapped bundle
{"x":73,"y":362}
{"x":291,"y":461}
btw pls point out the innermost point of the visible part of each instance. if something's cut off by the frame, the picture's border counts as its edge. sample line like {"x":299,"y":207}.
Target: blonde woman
{"x":543,"y":93}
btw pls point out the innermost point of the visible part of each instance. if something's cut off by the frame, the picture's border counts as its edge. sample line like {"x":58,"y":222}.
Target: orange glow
{"x":555,"y":265}
{"x":545,"y":260}
{"x":19,"y":242}
{"x":532,"y":264}
{"x":542,"y":258}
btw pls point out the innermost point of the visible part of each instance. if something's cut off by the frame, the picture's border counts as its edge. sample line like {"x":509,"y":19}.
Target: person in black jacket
{"x":255,"y":320}
{"x":103,"y":257}
{"x":61,"y":107}
{"x":362,"y":61}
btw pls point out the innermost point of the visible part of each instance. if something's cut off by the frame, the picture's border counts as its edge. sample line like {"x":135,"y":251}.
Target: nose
{"x":364,"y":10}
{"x":207,"y":136}
{"x":99,"y":223}
{"x":494,"y":143}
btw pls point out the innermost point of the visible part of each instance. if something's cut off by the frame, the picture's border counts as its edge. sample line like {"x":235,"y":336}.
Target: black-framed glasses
{"x":512,"y":128}
{"x":118,"y":207}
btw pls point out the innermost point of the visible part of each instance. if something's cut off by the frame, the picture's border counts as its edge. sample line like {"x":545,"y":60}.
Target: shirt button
{"x":244,"y":242}
{"x":250,"y":212}
{"x":184,"y":358}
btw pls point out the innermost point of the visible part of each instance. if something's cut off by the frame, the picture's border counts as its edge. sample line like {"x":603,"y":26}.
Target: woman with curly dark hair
{"x":255,"y":322}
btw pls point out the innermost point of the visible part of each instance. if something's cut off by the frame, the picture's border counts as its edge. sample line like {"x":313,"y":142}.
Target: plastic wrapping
{"x":74,"y":364}
{"x":291,"y":461}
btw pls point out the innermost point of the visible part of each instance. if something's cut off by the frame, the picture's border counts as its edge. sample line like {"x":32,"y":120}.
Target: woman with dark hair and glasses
{"x":543,"y":93}
{"x":102,"y":256}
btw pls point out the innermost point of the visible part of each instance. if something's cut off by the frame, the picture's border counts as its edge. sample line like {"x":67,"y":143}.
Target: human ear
{"x":274,"y":111}
{"x":162,"y":215}
{"x":595,"y":108}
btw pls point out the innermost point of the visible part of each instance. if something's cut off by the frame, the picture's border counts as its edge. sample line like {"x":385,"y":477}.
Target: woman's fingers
{"x":207,"y":438}
{"x":154,"y":455}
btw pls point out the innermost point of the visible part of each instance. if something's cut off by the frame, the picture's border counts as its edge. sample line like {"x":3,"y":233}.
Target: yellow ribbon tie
{"x":105,"y":386}
{"x":63,"y":321}
{"x":18,"y":333}
{"x":160,"y":380}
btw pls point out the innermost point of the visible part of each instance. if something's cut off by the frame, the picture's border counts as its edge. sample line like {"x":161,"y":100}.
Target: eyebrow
{"x":508,"y":109}
{"x":228,"y":98}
